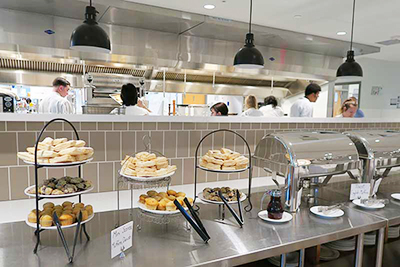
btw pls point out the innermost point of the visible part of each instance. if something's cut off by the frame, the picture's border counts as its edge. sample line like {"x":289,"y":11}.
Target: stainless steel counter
{"x":173,"y":245}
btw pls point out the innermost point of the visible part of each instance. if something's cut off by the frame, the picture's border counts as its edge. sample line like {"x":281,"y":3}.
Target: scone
{"x":180,"y":194}
{"x":171,"y":192}
{"x":46,"y":221}
{"x":66,"y":219}
{"x":162,"y":205}
{"x":151,"y":203}
{"x":170,"y":206}
{"x":32,"y":218}
{"x":163,"y":194}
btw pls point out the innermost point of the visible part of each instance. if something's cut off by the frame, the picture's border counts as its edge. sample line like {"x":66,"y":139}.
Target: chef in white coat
{"x":271,"y":108}
{"x":56,"y":102}
{"x":251,"y":106}
{"x":303,"y":106}
{"x":130,"y":99}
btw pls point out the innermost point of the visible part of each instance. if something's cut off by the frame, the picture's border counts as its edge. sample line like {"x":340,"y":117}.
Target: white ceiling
{"x":375,"y":21}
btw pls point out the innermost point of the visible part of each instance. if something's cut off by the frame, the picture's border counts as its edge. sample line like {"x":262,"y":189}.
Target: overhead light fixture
{"x":350,"y":68}
{"x":90,"y":37}
{"x":248,"y":57}
{"x":209,"y":6}
{"x":341,"y":33}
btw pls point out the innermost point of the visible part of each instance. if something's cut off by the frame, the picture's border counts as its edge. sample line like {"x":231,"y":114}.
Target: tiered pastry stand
{"x":79,"y":225}
{"x":162,"y":218}
{"x":221,"y":206}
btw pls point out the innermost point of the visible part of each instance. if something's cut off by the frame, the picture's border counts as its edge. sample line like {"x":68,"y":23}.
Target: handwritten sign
{"x":360,"y":191}
{"x":121,"y":239}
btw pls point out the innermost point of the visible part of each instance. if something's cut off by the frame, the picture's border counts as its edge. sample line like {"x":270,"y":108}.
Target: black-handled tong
{"x":239,"y":220}
{"x":196,"y":227}
{"x":195,"y":217}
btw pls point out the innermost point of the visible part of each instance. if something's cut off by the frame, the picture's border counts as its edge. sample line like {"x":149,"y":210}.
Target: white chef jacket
{"x":132,"y":110}
{"x":270,"y":111}
{"x":56,"y":104}
{"x":302,"y":108}
{"x":252,"y":112}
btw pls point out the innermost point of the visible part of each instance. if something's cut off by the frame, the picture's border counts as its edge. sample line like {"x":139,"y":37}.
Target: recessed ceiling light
{"x":209,"y":6}
{"x":341,"y":33}
{"x":297,"y":16}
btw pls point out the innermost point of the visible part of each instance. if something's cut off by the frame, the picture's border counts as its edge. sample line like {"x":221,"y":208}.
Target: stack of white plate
{"x":348,"y":244}
{"x":370,"y":239}
{"x":393,"y":232}
{"x":292,"y":259}
{"x":328,"y":254}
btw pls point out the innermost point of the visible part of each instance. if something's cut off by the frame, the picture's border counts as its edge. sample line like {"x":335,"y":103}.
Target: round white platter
{"x":56,"y":196}
{"x":33,"y":225}
{"x":201,"y":197}
{"x":65,"y":164}
{"x":358,"y":203}
{"x":286,"y":217}
{"x":147,"y":179}
{"x":333,"y":214}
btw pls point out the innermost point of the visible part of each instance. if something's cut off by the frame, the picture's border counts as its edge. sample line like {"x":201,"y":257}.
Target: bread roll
{"x":85,"y":215}
{"x":163,"y":194}
{"x":78,"y":205}
{"x":67,"y":204}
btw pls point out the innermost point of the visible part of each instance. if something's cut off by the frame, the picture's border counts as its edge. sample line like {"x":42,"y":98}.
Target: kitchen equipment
{"x":183,"y":109}
{"x":7,"y":103}
{"x":199,"y":110}
{"x":300,"y":156}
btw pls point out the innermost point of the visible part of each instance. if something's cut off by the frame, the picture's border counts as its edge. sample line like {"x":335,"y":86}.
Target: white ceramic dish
{"x":333,"y":214}
{"x":66,"y":164}
{"x":56,"y":196}
{"x":224,"y":171}
{"x":328,"y":254}
{"x":33,"y":225}
{"x":243,"y":197}
{"x":358,"y":203}
{"x":147,"y":179}
{"x":286,"y":217}
{"x":160,"y":212}
{"x":396,"y":196}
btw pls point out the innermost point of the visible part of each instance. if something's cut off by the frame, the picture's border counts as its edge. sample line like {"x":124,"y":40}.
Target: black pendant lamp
{"x":350,"y":67}
{"x":248,"y":56}
{"x":90,"y":37}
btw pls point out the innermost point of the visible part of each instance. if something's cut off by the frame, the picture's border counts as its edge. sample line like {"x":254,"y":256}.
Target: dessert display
{"x":163,"y":201}
{"x":224,"y":160}
{"x":146,"y":164}
{"x":67,"y":213}
{"x":229,"y":194}
{"x":61,"y":186}
{"x":59,"y":150}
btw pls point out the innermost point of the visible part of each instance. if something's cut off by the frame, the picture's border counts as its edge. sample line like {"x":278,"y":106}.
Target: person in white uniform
{"x":271,"y":108}
{"x":251,"y":106}
{"x":56,"y":101}
{"x":303,"y":106}
{"x":133,"y":105}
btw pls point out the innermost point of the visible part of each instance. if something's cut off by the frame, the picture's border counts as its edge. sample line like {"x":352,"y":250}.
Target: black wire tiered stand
{"x":79,"y":225}
{"x":221,"y":206}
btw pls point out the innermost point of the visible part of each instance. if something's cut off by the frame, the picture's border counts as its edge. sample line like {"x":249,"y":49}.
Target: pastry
{"x":66,"y":219}
{"x":46,"y":221}
{"x":48,"y":141}
{"x":62,"y":159}
{"x":241,"y":167}
{"x":79,"y":205}
{"x":42,"y":153}
{"x":203,"y":163}
{"x":170,"y":206}
{"x":85,"y":215}
{"x":76,"y":151}
{"x":242,"y":160}
{"x":151,"y":203}
{"x":89,"y":209}
{"x":142,"y":198}
{"x":213,"y":160}
{"x":180,"y":200}
{"x":64,"y":145}
{"x":145,"y":156}
{"x":80,"y":143}
{"x":83,"y":157}
{"x":47,"y":191}
{"x":158,"y":198}
{"x":190,"y":201}
{"x":48,"y":205}
{"x":57,"y":192}
{"x":228,"y":168}
{"x":212,"y":166}
{"x":163,"y":194}
{"x":67,"y":204}
{"x":42,"y":146}
{"x":59,"y":141}
{"x":145,"y":172}
{"x":152,"y":193}
{"x":234,"y":155}
{"x":58,"y":207}
{"x":146,"y":164}
{"x":180,"y":194}
{"x":220,"y":156}
{"x":226,"y":151}
{"x":171,"y":197}
{"x":130,"y":172}
{"x":58,"y":212}
{"x":171,"y":192}
{"x":26,"y":156}
{"x":162,"y":204}
{"x":229,"y":162}
{"x":32,"y":218}
{"x":167,"y":199}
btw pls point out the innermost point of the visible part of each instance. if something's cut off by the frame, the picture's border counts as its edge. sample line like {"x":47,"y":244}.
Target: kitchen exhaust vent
{"x":389,"y":42}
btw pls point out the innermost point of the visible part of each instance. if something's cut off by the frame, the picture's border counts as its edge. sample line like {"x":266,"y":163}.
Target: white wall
{"x":379,"y":73}
{"x":320,"y":107}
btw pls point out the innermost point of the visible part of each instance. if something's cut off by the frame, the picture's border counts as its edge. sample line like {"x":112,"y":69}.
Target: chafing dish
{"x":304,"y":155}
{"x":377,"y":149}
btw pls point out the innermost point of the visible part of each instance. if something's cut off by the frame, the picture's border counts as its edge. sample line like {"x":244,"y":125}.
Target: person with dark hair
{"x":130,"y":99}
{"x":303,"y":107}
{"x":271,"y":108}
{"x":251,"y":106}
{"x":219,"y":109}
{"x":56,"y":101}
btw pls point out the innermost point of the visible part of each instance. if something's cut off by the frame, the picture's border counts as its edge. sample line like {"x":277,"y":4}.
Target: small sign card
{"x":121,"y":239}
{"x":360,"y":191}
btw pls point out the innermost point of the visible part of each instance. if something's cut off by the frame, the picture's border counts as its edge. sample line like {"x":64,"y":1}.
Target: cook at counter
{"x":219,"y":109}
{"x":251,"y":107}
{"x":303,"y":106}
{"x":56,"y":102}
{"x":133,"y":105}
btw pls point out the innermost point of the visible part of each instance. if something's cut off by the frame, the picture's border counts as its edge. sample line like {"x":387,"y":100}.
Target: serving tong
{"x":238,"y":218}
{"x":326,"y":210}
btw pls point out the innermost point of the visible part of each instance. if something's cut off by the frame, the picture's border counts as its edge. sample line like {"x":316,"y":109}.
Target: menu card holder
{"x":239,"y":218}
{"x":196,"y":223}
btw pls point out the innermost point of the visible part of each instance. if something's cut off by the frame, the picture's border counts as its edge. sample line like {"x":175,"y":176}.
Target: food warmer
{"x":377,"y":149}
{"x":300,"y":156}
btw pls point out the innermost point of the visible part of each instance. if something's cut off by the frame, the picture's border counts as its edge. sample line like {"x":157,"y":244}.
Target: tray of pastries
{"x":162,"y":202}
{"x":58,"y":152}
{"x":224,"y":160}
{"x":61,"y":187}
{"x":210,"y":195}
{"x":146,"y":167}
{"x":67,"y":214}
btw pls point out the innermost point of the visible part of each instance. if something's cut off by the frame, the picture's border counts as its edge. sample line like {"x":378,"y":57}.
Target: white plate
{"x":328,"y":254}
{"x":147,"y":179}
{"x":56,"y":196}
{"x":226,"y":171}
{"x":335,"y":214}
{"x":201,"y":197}
{"x":60,"y":164}
{"x":161,"y":212}
{"x":357,"y":202}
{"x":286,"y":217}
{"x":33,"y":225}
{"x":396,"y":196}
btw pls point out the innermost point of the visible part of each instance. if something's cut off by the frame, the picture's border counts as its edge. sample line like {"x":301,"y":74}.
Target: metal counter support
{"x":379,"y":247}
{"x":359,"y":250}
{"x":283,"y":260}
{"x":302,"y":257}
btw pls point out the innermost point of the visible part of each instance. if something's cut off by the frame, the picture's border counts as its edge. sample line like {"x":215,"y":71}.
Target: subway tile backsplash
{"x":113,"y":140}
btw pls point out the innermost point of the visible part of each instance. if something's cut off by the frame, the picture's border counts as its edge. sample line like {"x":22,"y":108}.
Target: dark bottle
{"x":275,"y":208}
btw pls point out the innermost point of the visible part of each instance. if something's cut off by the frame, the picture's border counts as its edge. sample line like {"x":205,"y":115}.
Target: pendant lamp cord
{"x":251,"y":14}
{"x":90,"y":2}
{"x":352,"y":25}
